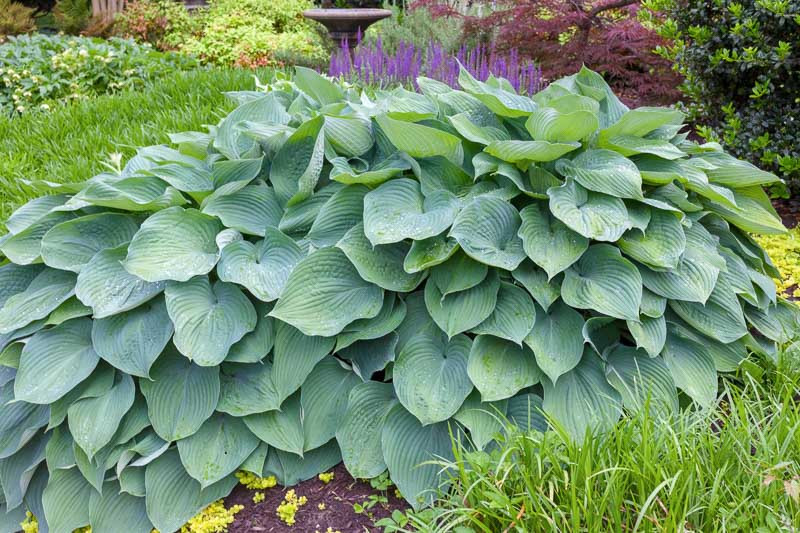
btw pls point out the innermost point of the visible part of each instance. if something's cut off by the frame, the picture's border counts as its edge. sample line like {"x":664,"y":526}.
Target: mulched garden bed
{"x":789,"y":210}
{"x":338,"y":496}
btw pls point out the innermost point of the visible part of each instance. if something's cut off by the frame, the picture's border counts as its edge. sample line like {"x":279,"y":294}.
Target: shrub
{"x":161,"y":23}
{"x":39,"y":71}
{"x":72,"y":16}
{"x":740,"y":62}
{"x":15,"y":18}
{"x":326,"y":275}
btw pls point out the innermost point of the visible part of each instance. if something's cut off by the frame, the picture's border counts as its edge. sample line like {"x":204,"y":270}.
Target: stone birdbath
{"x":344,"y":25}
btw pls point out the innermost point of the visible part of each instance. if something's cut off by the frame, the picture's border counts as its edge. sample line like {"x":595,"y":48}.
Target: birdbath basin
{"x":344,"y":25}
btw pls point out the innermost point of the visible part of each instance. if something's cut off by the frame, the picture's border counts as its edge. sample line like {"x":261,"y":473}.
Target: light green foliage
{"x":242,"y":299}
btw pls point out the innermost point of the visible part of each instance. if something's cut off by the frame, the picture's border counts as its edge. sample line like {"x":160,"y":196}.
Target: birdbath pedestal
{"x":344,"y":25}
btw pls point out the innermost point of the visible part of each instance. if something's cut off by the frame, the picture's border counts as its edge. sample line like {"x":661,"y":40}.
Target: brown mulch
{"x":789,"y":210}
{"x":338,"y":496}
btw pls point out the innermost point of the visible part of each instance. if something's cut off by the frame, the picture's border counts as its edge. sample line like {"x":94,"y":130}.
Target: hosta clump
{"x":329,"y":275}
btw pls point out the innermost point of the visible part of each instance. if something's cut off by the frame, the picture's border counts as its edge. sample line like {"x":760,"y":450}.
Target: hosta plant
{"x":327,"y":275}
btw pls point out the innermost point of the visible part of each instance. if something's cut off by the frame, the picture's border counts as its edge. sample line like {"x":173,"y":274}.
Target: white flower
{"x":44,"y":107}
{"x":20,"y":109}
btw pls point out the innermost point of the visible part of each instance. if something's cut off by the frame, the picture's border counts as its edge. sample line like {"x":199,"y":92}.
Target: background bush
{"x":741,"y":64}
{"x":165,"y":24}
{"x":15,"y":18}
{"x":39,"y":71}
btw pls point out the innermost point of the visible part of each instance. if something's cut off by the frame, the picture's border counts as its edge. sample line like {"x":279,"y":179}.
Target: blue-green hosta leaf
{"x":727,"y":357}
{"x":721,"y":317}
{"x":114,"y":507}
{"x":499,"y":368}
{"x":349,"y":136}
{"x":72,"y":308}
{"x":386,"y":321}
{"x":15,"y":279}
{"x":298,"y":218}
{"x":556,"y":340}
{"x":49,"y":289}
{"x":25,"y":247}
{"x":193,"y":179}
{"x":458,"y":273}
{"x":359,"y":434}
{"x":98,"y":383}
{"x":652,"y":305}
{"x":377,"y":173}
{"x":133,"y":340}
{"x":66,"y":500}
{"x":430,"y":377}
{"x":338,"y":216}
{"x":217,"y":449}
{"x":70,"y":245}
{"x":649,"y":333}
{"x":397,"y":210}
{"x":555,"y":125}
{"x":500,"y":101}
{"x":463,"y":310}
{"x":94,"y":421}
{"x":290,"y":469}
{"x":659,"y":246}
{"x":731,"y":172}
{"x":594,"y":215}
{"x":17,"y":471}
{"x":778,"y":322}
{"x":601,"y":333}
{"x":19,"y":421}
{"x":522,"y":151}
{"x":247,"y":389}
{"x":484,"y":420}
{"x":262,"y":268}
{"x":548,"y":241}
{"x":281,"y":429}
{"x":59,"y":452}
{"x":479,"y":133}
{"x":295,"y":356}
{"x":407,"y":445}
{"x":230,"y":139}
{"x":297,"y":165}
{"x":582,"y":400}
{"x":54,"y":361}
{"x":250,"y":210}
{"x":317,"y":86}
{"x":136,"y":193}
{"x":381,"y":264}
{"x":693,"y":280}
{"x":429,"y":252}
{"x":513,"y":316}
{"x":105,"y":286}
{"x":421,"y":141}
{"x":525,"y":412}
{"x":604,"y":281}
{"x":486,"y":229}
{"x":33,"y":211}
{"x":641,"y":380}
{"x":174,"y":244}
{"x":545,"y":291}
{"x":168,"y":508}
{"x":323,"y":398}
{"x":604,"y":171}
{"x":437,"y":173}
{"x":753,"y":212}
{"x":181,"y":396}
{"x":370,"y":356}
{"x":325,"y":305}
{"x":208,"y":319}
{"x":692,"y":367}
{"x":258,"y":343}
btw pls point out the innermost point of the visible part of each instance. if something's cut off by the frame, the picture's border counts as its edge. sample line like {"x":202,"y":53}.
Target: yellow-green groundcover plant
{"x":330,"y":275}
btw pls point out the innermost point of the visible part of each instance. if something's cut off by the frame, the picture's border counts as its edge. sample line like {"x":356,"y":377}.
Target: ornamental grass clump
{"x":327,"y":275}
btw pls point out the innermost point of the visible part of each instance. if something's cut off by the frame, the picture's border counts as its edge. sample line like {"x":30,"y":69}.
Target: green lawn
{"x":70,"y":143}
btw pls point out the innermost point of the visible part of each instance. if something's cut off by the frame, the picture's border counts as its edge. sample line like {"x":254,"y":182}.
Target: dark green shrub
{"x":741,"y":63}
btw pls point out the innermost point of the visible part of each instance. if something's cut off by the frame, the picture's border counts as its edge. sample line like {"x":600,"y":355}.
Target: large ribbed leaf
{"x":527,"y":151}
{"x":397,"y":210}
{"x":692,"y":368}
{"x":525,"y":411}
{"x":641,"y":380}
{"x":17,"y":471}
{"x":535,"y":281}
{"x":513,"y":316}
{"x":15,"y":279}
{"x":487,"y":230}
{"x":429,"y":252}
{"x":565,"y":123}
{"x":290,"y":469}
{"x":54,"y":361}
{"x":407,"y":446}
{"x":19,"y":421}
{"x":298,"y":218}
{"x":294,"y":357}
{"x":217,"y":449}
{"x":262,"y":268}
{"x":458,"y":273}
{"x":114,"y":507}
{"x":421,"y":141}
{"x":66,"y":500}
{"x":660,"y":245}
{"x":49,"y":289}
{"x":93,"y":422}
{"x":778,"y":322}
{"x":25,"y":247}
{"x":250,"y":210}
{"x":174,"y":244}
{"x":465,"y":309}
{"x":720,"y":318}
{"x":482,"y":419}
{"x":594,"y":215}
{"x":753,"y":212}
{"x":370,"y":356}
{"x":556,"y":339}
{"x":316,"y":86}
{"x":208,"y":319}
{"x":344,"y":172}
{"x":381,"y":264}
{"x":168,"y":508}
{"x":479,"y":133}
{"x":499,"y":368}
{"x":731,"y":172}
{"x":323,"y":398}
{"x":338,"y":216}
{"x":547,"y":241}
{"x":386,"y":321}
{"x":430,"y":376}
{"x":649,"y":333}
{"x":281,"y":429}
{"x":349,"y":136}
{"x":297,"y":165}
{"x":359,"y":434}
{"x":33,"y":211}
{"x":255,"y":346}
{"x":604,"y":281}
{"x":582,"y":400}
{"x":133,"y":340}
{"x":181,"y":396}
{"x":247,"y":389}
{"x":604,"y":171}
{"x":325,"y":305}
{"x":71,"y":244}
{"x":500,"y":101}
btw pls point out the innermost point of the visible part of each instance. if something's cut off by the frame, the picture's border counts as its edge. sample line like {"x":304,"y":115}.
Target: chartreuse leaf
{"x":316,"y":86}
{"x":486,"y":229}
{"x":217,"y":449}
{"x":297,"y":165}
{"x":349,"y":135}
{"x":181,"y":396}
{"x":421,"y":141}
{"x":513,"y":316}
{"x":168,"y":508}
{"x":174,"y":244}
{"x":381,"y":264}
{"x":397,"y":210}
{"x":465,"y":309}
{"x":66,"y":500}
{"x":566,"y":122}
{"x":692,"y":367}
{"x":325,"y":305}
{"x":429,"y":252}
{"x":114,"y":507}
{"x":71,"y":244}
{"x":594,"y":215}
{"x":641,"y":380}
{"x":263,"y":267}
{"x":407,"y":447}
{"x":484,"y":420}
{"x":548,"y":241}
{"x":479,"y":133}
{"x":359,"y":434}
{"x":49,"y":289}
{"x":556,"y":340}
{"x":250,"y":210}
{"x":430,"y":376}
{"x":499,"y":101}
{"x":499,"y":368}
{"x":526,"y":151}
{"x":604,"y":281}
{"x":323,"y":398}
{"x":582,"y":400}
{"x":93,"y":422}
{"x":208,"y":319}
{"x":54,"y":361}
